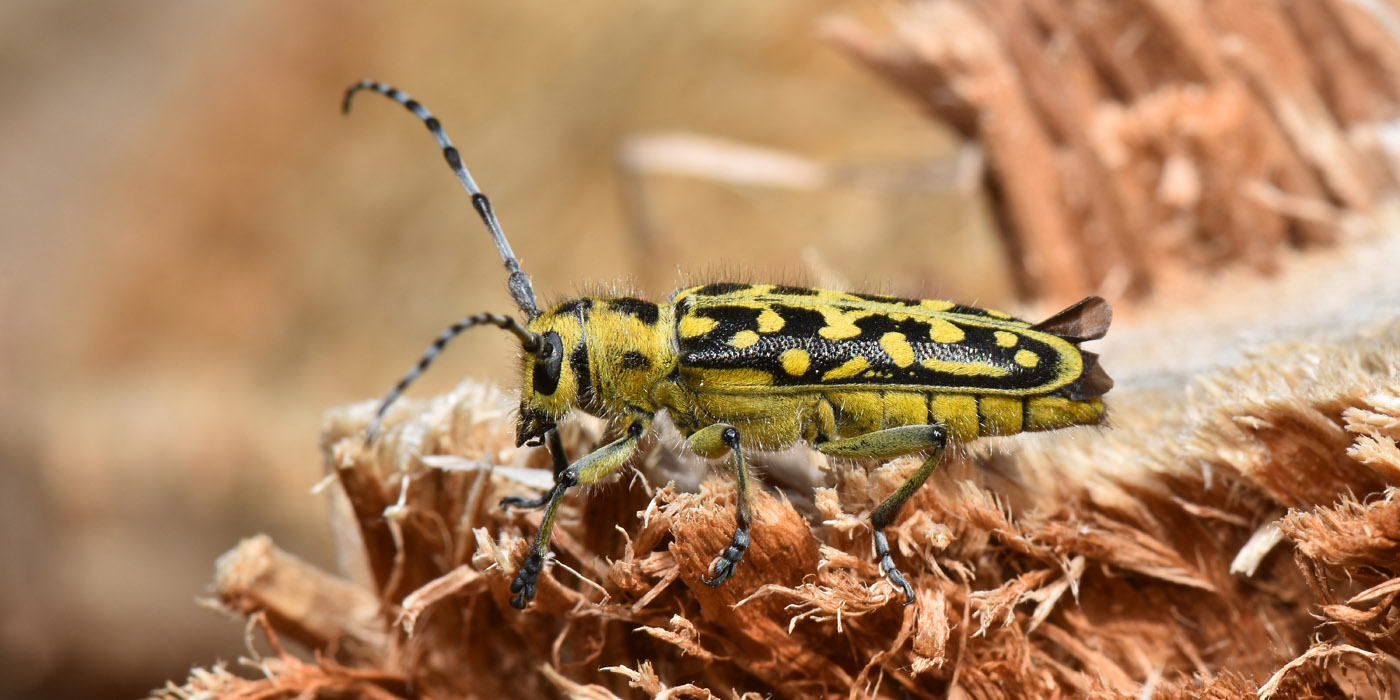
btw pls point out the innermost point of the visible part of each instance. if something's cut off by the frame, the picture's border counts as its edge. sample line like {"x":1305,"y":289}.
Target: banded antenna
{"x":518,"y":282}
{"x":529,"y":341}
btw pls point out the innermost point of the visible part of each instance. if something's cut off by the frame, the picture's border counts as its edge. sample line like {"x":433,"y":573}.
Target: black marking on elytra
{"x":981,"y":417}
{"x":645,"y":311}
{"x":802,"y":328}
{"x":635,"y":360}
{"x":719,"y":288}
{"x":1025,"y":413}
{"x":799,"y":322}
{"x":578,"y":362}
{"x":886,"y":299}
{"x":794,"y":291}
{"x":982,"y":313}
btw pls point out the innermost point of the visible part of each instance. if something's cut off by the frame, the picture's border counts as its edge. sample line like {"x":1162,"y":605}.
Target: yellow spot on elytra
{"x":848,"y":369}
{"x":795,"y":361}
{"x":744,"y":339}
{"x":1004,"y":339}
{"x":935,"y":304}
{"x":898,"y":348}
{"x":1026,"y":358}
{"x":840,"y":326}
{"x":941,"y":331}
{"x":769,"y":321}
{"x":997,"y":314}
{"x":692,"y":326}
{"x":976,"y":369}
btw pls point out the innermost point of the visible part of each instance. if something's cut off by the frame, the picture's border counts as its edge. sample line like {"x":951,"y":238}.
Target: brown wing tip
{"x":1086,"y":320}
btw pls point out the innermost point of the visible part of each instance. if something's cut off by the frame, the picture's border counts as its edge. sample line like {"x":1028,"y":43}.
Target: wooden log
{"x":1020,"y":153}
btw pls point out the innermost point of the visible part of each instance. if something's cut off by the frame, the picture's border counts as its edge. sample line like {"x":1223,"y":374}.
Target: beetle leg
{"x":561,"y":462}
{"x":590,"y":468}
{"x":556,"y":450}
{"x":713,"y":442}
{"x":893,"y":442}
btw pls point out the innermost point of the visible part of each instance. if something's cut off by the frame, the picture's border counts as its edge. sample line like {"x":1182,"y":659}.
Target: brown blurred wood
{"x":1129,"y":138}
{"x":1278,"y":68}
{"x":1354,"y":81}
{"x":301,"y":601}
{"x":1021,"y":153}
{"x":1060,"y":81}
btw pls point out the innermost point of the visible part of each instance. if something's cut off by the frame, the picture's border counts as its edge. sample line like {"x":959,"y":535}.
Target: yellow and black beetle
{"x":759,"y":366}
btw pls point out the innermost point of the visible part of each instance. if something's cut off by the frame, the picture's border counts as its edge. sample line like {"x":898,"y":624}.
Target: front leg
{"x":561,"y":462}
{"x":713,"y":442}
{"x":893,"y":442}
{"x":589,"y":469}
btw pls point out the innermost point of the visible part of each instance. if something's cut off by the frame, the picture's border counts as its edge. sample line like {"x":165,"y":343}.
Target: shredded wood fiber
{"x":1235,"y":532}
{"x":1085,"y":563}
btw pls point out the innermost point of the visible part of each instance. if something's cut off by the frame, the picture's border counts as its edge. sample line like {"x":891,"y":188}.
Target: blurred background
{"x":199,"y":255}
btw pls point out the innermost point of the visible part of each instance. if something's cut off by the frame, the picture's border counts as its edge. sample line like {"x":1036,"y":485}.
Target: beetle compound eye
{"x":547,"y":367}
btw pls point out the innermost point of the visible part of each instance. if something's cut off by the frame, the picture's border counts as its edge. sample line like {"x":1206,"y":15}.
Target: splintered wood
{"x":1234,"y":533}
{"x":1089,"y":564}
{"x":1129,"y":138}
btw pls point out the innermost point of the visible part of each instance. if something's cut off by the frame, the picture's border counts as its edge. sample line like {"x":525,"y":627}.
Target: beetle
{"x":741,"y":367}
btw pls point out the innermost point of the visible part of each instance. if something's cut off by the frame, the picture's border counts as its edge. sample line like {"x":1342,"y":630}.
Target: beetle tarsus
{"x":723,"y":565}
{"x":525,"y":579}
{"x":882,"y":551}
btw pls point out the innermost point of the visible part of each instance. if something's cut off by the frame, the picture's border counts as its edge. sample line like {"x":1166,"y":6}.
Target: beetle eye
{"x":546,"y":378}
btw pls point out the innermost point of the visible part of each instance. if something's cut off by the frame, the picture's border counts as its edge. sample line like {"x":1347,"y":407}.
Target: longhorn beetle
{"x":762,"y":366}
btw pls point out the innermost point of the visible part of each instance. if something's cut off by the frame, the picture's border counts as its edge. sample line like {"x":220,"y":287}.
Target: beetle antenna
{"x":519,"y":283}
{"x":528,"y":341}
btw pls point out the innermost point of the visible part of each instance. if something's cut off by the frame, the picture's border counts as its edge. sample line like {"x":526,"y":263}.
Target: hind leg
{"x":893,"y":442}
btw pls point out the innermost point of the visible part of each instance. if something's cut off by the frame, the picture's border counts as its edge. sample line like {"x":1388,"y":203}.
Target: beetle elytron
{"x":760,"y":366}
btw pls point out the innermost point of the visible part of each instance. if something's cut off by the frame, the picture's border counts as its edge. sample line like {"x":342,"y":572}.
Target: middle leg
{"x":713,"y":442}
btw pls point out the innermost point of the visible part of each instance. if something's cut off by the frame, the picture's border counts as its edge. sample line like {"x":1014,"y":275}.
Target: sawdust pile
{"x":1122,"y":134}
{"x":1242,"y":537}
